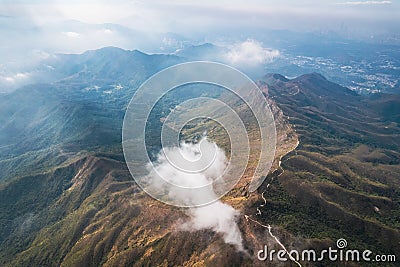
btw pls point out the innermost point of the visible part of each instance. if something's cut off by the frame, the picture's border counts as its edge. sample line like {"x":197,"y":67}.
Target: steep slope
{"x":90,"y":212}
{"x":342,"y":181}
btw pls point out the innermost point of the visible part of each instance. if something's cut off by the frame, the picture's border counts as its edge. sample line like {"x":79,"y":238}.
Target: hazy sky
{"x":45,"y":25}
{"x":30,"y":30}
{"x":189,"y":15}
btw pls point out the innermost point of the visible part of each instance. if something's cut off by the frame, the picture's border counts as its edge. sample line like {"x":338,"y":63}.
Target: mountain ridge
{"x":84,"y":208}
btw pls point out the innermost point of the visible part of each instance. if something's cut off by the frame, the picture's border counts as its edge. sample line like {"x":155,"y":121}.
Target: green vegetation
{"x":67,"y":198}
{"x":343,"y":179}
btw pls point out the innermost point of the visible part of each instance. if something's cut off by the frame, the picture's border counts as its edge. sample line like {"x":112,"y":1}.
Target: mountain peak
{"x":314,"y":76}
{"x":106,"y":51}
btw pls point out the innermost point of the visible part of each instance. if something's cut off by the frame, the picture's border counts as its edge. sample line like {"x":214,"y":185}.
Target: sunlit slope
{"x":343,"y":179}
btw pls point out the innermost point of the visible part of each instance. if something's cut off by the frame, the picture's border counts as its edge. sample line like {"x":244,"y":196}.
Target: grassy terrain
{"x":343,"y":179}
{"x":67,"y":198}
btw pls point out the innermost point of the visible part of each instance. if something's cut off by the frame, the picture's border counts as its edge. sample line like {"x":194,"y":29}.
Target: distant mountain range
{"x":367,"y":66}
{"x":79,"y":104}
{"x":67,"y":198}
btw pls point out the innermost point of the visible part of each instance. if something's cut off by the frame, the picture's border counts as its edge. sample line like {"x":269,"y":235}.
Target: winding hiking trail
{"x":269,"y":227}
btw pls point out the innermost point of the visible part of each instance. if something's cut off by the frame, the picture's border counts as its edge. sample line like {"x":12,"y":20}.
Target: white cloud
{"x":117,"y":86}
{"x":21,"y":75}
{"x":356,"y":3}
{"x":207,"y":163}
{"x":15,"y":78}
{"x":71,"y":34}
{"x":217,"y":216}
{"x":107,"y":31}
{"x":10,"y":81}
{"x":250,"y":53}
